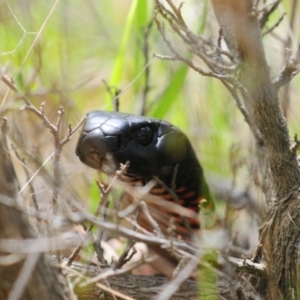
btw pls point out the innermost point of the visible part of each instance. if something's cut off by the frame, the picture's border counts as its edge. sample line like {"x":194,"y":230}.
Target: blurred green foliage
{"x":66,"y":49}
{"x":78,"y":53}
{"x":208,"y":278}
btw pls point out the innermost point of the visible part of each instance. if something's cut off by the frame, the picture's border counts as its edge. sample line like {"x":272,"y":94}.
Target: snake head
{"x":151,"y":146}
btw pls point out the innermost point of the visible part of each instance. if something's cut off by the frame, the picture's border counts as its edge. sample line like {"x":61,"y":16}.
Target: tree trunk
{"x":280,"y":236}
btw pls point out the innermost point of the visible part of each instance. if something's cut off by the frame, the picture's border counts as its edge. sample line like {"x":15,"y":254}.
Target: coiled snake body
{"x":155,"y":149}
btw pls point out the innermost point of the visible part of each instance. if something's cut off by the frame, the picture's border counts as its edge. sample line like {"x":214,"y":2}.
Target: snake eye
{"x":145,"y":136}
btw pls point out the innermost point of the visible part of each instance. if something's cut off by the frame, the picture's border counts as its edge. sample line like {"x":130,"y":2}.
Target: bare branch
{"x":115,"y":272}
{"x":63,"y":241}
{"x":131,"y":234}
{"x":32,"y":190}
{"x":177,"y":12}
{"x":126,"y":255}
{"x":290,"y":69}
{"x":149,"y":218}
{"x":275,"y":25}
{"x":102,"y":202}
{"x":246,"y":265}
{"x":54,"y":129}
{"x":178,"y":56}
{"x":146,"y":88}
{"x":267,"y":12}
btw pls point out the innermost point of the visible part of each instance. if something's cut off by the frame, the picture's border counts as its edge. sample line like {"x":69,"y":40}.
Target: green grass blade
{"x":117,"y":70}
{"x":142,"y":14}
{"x":170,"y":95}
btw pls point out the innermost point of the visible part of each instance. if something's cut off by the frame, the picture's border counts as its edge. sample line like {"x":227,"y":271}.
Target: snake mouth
{"x":93,"y":150}
{"x":98,"y":161}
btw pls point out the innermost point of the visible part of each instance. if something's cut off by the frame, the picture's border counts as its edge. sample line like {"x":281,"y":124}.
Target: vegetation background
{"x":79,"y":54}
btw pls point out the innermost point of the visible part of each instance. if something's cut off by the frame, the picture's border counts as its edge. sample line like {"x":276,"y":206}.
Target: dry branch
{"x":135,"y":286}
{"x":145,"y":287}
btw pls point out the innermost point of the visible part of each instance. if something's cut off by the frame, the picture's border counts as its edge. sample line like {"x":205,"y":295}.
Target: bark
{"x":280,"y":236}
{"x":243,"y":36}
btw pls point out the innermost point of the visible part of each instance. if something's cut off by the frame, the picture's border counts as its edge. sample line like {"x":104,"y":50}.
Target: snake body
{"x":155,"y":149}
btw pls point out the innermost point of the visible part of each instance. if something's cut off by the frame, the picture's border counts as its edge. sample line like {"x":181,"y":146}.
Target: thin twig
{"x":54,"y":129}
{"x":177,"y":12}
{"x":63,"y":241}
{"x":103,"y":199}
{"x":127,"y":254}
{"x":275,"y":25}
{"x":97,"y":244}
{"x":267,"y":12}
{"x":31,"y":187}
{"x":39,"y":33}
{"x":291,"y":69}
{"x":187,"y":61}
{"x":175,"y":199}
{"x":114,"y":96}
{"x":146,"y":89}
{"x":247,"y":265}
{"x":149,"y":218}
{"x":115,"y":272}
{"x":131,"y":234}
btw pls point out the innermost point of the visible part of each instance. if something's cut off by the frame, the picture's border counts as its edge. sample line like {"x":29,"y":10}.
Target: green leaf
{"x":170,"y":95}
{"x":208,"y":277}
{"x":142,"y":14}
{"x":94,"y":196}
{"x":119,"y":62}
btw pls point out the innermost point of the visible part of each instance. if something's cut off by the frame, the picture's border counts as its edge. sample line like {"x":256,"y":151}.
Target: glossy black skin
{"x":153,"y":147}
